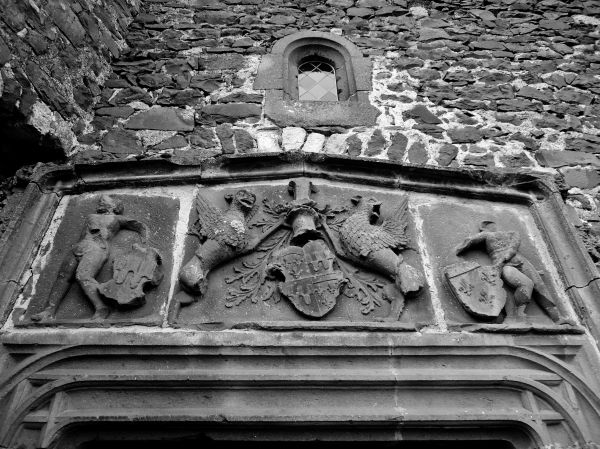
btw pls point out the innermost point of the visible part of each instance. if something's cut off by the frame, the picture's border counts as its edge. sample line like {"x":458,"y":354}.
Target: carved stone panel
{"x":492,"y":267}
{"x":108,"y":261}
{"x":299,"y":252}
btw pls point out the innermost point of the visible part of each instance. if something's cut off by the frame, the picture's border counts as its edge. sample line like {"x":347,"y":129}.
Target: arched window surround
{"x":277,"y":75}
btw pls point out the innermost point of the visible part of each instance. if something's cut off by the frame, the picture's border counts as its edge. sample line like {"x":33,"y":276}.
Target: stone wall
{"x":507,"y":84}
{"x":54,"y":58}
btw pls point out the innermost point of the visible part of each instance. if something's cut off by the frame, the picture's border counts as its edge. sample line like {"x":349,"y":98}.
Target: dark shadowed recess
{"x":22,"y":144}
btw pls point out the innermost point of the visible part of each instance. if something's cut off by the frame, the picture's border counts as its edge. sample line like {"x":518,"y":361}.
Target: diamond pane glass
{"x":316,"y":81}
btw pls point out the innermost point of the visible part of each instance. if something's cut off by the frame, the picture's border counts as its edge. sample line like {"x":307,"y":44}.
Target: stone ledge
{"x":309,"y":114}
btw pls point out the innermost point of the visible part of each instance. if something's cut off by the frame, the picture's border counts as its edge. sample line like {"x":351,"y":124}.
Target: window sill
{"x":310,"y":114}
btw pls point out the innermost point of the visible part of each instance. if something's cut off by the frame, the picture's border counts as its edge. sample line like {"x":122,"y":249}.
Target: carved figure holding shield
{"x":138,"y":267}
{"x":508,"y":264}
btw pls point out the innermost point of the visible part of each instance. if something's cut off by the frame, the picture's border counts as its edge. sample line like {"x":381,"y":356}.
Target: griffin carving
{"x":303,"y":252}
{"x":224,"y":235}
{"x":377,"y":246}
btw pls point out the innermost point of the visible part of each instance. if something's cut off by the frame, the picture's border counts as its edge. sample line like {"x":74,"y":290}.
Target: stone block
{"x":398,"y":146}
{"x":556,"y":159}
{"x":163,"y":119}
{"x":376,"y":144}
{"x":231,"y":112}
{"x":587,"y":143}
{"x":268,"y":140}
{"x":203,"y":137}
{"x":421,"y":114}
{"x":244,"y":142}
{"x":417,"y":153}
{"x":116,"y":111}
{"x":354,"y":145}
{"x":314,"y":143}
{"x":225,"y":134}
{"x":468,"y":134}
{"x":446,"y":154}
{"x":336,"y":144}
{"x":292,"y":138}
{"x":584,"y":178}
{"x":120,"y":141}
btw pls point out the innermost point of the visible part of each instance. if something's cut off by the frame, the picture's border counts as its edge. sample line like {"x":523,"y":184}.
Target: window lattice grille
{"x":316,"y":81}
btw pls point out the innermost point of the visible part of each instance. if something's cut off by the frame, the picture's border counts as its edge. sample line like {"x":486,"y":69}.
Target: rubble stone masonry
{"x":497,"y":84}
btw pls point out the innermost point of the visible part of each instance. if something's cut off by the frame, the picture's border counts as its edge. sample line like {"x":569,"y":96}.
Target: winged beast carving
{"x":304,"y":252}
{"x":224,"y":235}
{"x":378,"y":245}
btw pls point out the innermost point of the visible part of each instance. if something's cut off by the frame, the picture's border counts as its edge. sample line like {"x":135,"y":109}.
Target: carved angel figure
{"x":224,"y":235}
{"x":378,"y":246}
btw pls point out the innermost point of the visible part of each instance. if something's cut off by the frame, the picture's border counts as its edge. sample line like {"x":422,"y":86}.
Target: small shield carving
{"x":478,"y":288}
{"x":312,"y":281}
{"x":133,"y":273}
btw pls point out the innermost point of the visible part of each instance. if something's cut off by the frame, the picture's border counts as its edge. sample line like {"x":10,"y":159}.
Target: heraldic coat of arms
{"x":311,"y":255}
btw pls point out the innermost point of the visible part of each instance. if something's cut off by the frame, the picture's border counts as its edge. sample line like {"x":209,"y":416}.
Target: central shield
{"x":478,"y":288}
{"x":312,"y":280}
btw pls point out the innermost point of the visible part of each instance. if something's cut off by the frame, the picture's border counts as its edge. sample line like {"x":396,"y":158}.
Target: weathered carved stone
{"x":311,"y":278}
{"x":139,"y":269}
{"x":304,"y":251}
{"x":223,"y":236}
{"x":479,"y":289}
{"x":376,"y":247}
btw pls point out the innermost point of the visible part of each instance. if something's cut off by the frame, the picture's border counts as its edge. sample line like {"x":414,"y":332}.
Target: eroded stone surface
{"x":145,"y":220}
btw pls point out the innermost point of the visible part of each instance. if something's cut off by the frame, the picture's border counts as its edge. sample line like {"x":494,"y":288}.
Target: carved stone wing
{"x":394,"y":226}
{"x":210,"y":219}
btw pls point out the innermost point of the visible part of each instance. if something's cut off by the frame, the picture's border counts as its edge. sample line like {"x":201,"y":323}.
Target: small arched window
{"x":316,"y":80}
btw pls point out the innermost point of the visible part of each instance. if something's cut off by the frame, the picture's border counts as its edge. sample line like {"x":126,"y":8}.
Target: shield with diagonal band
{"x":312,"y":280}
{"x":478,"y":288}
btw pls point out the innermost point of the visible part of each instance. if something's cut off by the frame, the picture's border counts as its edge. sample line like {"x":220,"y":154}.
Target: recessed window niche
{"x":315,"y":79}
